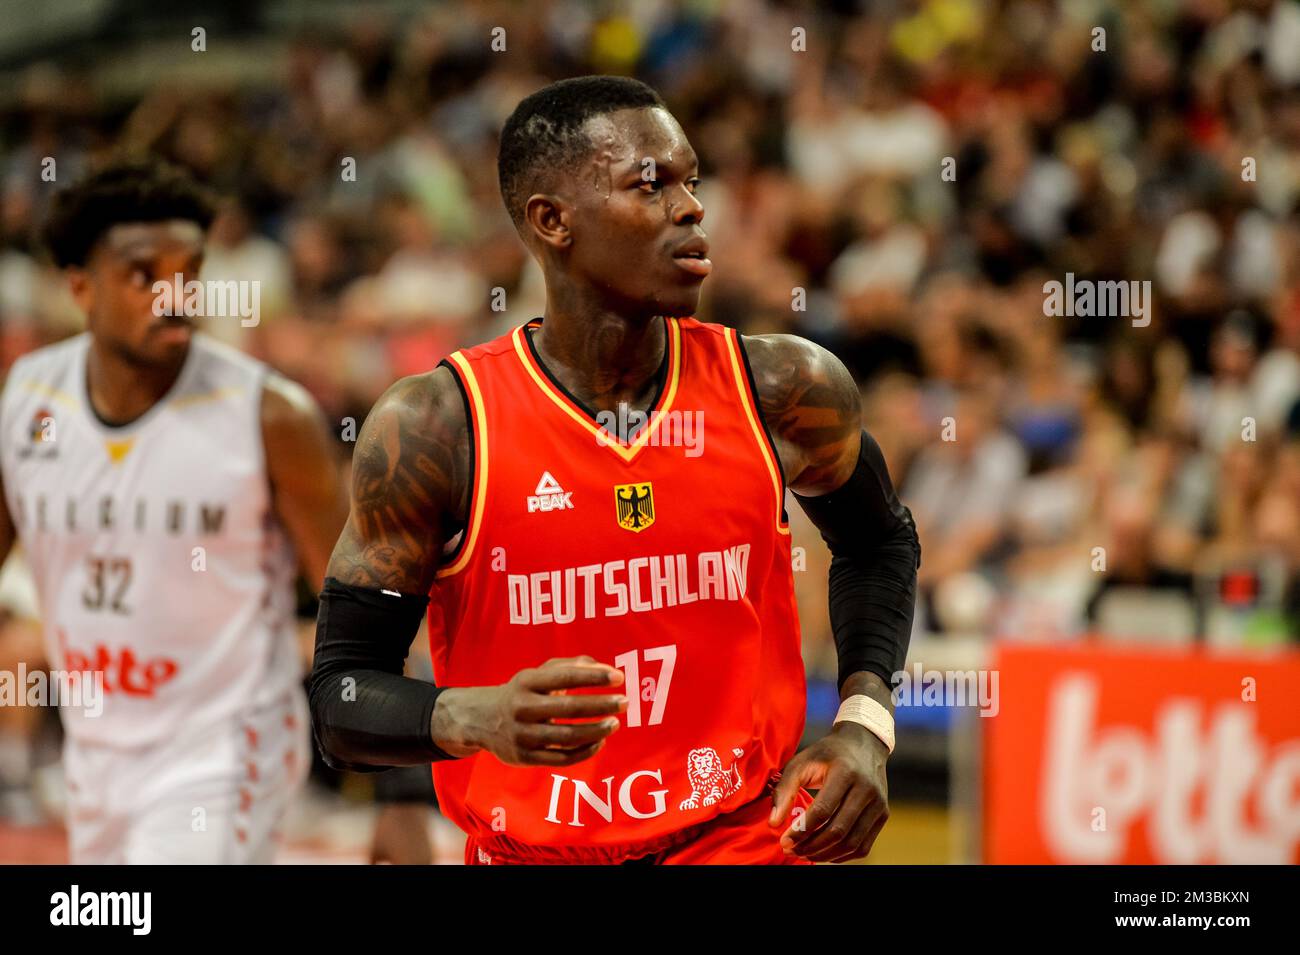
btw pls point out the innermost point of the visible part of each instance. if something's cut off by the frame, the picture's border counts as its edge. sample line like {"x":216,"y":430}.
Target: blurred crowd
{"x":895,"y":180}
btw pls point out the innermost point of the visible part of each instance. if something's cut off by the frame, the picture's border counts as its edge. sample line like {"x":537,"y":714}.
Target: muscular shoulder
{"x":410,"y":481}
{"x":432,"y":399}
{"x":428,"y":408}
{"x":301,"y":462}
{"x":420,"y":419}
{"x":287,"y":407}
{"x":47,"y":372}
{"x":812,"y":406}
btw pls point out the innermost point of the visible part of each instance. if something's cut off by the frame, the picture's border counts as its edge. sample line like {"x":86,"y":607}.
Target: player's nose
{"x":688,"y":210}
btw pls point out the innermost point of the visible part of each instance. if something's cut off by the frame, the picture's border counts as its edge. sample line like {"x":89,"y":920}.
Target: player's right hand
{"x":516,"y":720}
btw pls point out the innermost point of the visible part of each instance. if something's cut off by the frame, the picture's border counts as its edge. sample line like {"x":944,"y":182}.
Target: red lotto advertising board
{"x":1142,"y":756}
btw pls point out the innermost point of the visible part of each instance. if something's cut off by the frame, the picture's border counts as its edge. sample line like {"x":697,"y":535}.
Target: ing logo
{"x":635,"y":506}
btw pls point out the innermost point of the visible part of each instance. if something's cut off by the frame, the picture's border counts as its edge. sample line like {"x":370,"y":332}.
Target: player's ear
{"x":548,"y":219}
{"x":79,"y":285}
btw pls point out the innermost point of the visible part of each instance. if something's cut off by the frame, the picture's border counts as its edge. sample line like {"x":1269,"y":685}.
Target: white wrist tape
{"x":867,"y":712}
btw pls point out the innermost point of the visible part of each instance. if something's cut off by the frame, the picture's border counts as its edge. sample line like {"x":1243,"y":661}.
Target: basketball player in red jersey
{"x":647,"y":573}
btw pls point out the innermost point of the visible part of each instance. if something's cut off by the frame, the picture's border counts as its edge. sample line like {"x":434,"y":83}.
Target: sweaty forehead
{"x":171,"y":237}
{"x":628,"y":135}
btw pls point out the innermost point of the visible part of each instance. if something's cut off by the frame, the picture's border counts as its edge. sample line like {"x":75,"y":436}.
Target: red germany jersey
{"x":667,"y":556}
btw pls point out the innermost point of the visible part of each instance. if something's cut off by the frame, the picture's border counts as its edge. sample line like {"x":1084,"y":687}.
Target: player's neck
{"x":120,"y":391}
{"x":602,"y":358}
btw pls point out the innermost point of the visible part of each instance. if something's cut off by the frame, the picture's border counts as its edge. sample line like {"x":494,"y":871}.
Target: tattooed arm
{"x":410,"y":486}
{"x":410,"y":493}
{"x":812,"y":407}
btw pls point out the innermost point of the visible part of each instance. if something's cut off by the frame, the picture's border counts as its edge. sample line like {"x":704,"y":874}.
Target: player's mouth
{"x":693,"y":256}
{"x":173,"y":328}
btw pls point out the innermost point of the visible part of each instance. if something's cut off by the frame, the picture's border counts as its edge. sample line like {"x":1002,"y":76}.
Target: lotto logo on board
{"x":1140,"y":756}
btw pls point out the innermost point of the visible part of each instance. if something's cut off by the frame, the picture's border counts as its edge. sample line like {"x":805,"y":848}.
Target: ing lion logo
{"x":710,"y":783}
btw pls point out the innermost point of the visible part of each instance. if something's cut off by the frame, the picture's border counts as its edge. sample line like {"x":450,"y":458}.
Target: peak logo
{"x":549,"y":496}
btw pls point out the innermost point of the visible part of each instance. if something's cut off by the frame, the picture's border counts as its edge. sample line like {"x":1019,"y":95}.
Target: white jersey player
{"x":166,"y":490}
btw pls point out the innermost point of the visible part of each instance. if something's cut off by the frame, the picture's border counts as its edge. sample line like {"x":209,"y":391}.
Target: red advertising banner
{"x":1106,"y":755}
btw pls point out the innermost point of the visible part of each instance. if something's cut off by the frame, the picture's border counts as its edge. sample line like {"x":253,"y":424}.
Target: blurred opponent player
{"x":162,"y":484}
{"x":588,"y":554}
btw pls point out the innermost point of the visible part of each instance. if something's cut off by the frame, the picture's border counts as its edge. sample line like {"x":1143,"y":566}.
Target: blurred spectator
{"x":899,"y":188}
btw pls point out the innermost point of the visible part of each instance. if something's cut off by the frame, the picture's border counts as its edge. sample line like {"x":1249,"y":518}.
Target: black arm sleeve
{"x":365,"y":715}
{"x":406,"y":784}
{"x":875,"y":554}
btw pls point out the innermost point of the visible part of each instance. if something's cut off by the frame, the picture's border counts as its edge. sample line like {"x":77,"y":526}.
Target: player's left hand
{"x":847,"y":766}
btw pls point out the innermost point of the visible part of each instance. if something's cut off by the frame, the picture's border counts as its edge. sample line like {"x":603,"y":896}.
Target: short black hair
{"x":545,"y":132}
{"x":127,"y":190}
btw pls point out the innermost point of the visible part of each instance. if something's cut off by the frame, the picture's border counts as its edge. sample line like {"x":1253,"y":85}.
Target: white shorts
{"x":209,"y":795}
